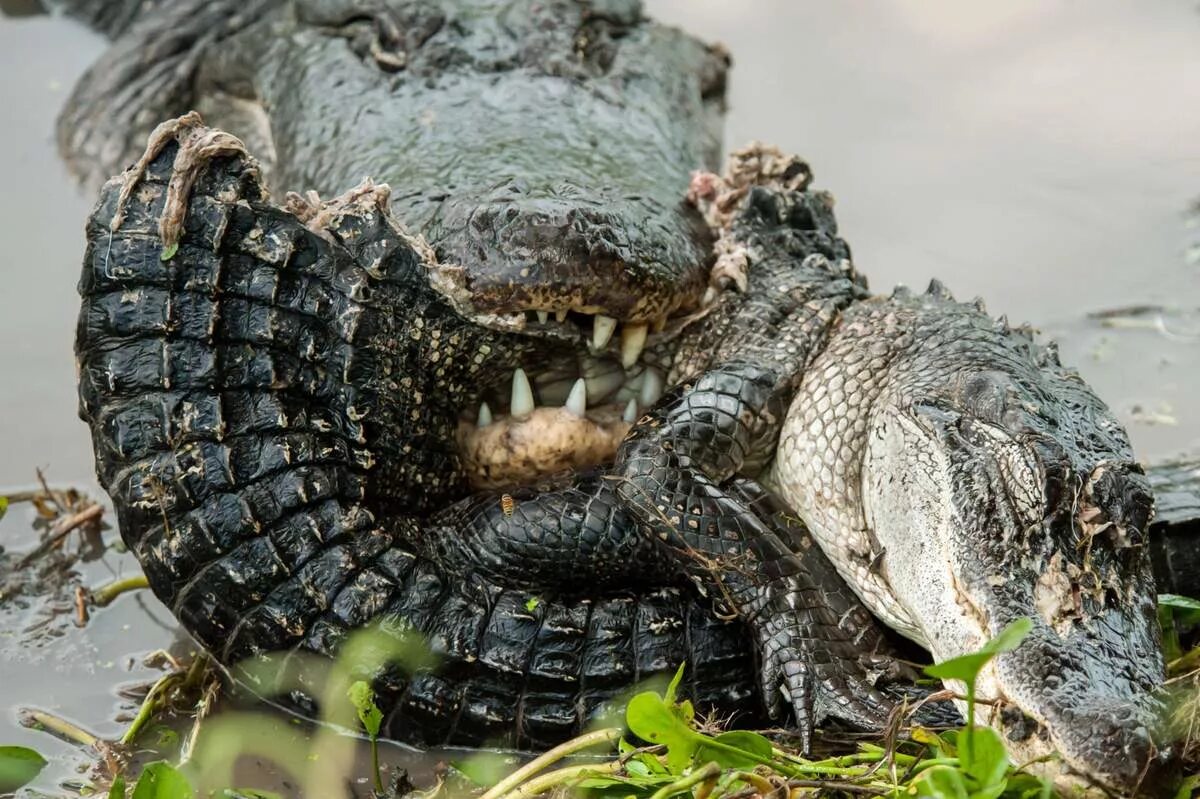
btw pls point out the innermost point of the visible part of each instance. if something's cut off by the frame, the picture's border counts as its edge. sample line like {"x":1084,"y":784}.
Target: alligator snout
{"x":1074,"y":702}
{"x":563,"y":254}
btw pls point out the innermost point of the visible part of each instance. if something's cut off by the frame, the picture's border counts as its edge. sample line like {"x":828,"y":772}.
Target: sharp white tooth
{"x":577,"y":399}
{"x":660,"y":324}
{"x":485,"y":415}
{"x":652,"y":387}
{"x":602,"y":330}
{"x":633,"y":338}
{"x":560,"y":316}
{"x":521,"y":402}
{"x":631,"y":411}
{"x":543,"y":316}
{"x":710,"y":296}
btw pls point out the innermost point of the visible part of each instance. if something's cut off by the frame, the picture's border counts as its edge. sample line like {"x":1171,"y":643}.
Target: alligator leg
{"x":671,"y":469}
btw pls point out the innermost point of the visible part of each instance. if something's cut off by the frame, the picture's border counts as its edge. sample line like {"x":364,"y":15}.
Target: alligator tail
{"x":238,"y":367}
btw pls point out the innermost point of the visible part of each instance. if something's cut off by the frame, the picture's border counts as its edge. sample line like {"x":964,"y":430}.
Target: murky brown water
{"x":1038,"y":153}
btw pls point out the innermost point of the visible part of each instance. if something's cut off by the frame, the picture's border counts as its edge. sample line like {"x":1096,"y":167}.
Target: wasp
{"x":507,"y":504}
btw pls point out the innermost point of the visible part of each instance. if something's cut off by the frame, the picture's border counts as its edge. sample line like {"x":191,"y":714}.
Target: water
{"x":1039,"y":153}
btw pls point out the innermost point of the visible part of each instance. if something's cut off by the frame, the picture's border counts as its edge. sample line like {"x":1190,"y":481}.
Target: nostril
{"x":1140,"y":507}
{"x":1120,"y":494}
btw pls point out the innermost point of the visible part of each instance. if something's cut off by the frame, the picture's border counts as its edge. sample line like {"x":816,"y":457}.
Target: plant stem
{"x":59,"y":726}
{"x":149,"y":706}
{"x":104,"y":595}
{"x":704,"y":773}
{"x":760,"y":783}
{"x":563,"y":776}
{"x":970,"y":731}
{"x":606,"y":736}
{"x":375,"y":764}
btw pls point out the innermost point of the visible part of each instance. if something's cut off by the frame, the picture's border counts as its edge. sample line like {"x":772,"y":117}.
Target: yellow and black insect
{"x":507,"y":504}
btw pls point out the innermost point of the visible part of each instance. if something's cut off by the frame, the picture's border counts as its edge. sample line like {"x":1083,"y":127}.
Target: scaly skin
{"x":274,"y":519}
{"x":257,"y":418}
{"x":540,"y":147}
{"x":277,"y":504}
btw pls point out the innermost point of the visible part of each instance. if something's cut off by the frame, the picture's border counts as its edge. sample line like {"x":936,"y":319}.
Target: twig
{"x":61,"y":529}
{"x":81,"y":611}
{"x":58,"y":726}
{"x":23,"y":496}
{"x":104,"y":595}
{"x":207,"y":701}
{"x":50,"y":495}
{"x":605,"y":736}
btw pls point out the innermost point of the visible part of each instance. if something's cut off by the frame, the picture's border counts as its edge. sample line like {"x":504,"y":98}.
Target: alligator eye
{"x":985,"y":395}
{"x":1057,"y":475}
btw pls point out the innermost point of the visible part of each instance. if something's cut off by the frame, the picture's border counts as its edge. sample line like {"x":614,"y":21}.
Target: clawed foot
{"x":807,"y":666}
{"x":197,"y":146}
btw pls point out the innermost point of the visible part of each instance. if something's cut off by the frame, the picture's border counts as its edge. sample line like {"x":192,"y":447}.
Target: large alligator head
{"x":541,"y":148}
{"x":962,"y":479}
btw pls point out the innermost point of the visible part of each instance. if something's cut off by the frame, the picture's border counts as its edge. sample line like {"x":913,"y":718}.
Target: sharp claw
{"x":799,"y":682}
{"x":770,"y":684}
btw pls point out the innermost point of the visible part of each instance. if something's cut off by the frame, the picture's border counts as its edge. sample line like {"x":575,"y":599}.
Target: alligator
{"x":291,"y":406}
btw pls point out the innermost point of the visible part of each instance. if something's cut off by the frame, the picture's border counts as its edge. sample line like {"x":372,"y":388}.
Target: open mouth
{"x":569,"y":412}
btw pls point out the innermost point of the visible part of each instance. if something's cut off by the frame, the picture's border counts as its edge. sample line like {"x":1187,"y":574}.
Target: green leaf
{"x":1177,"y":601}
{"x":246,"y":793}
{"x":161,"y":780}
{"x":363,"y":699}
{"x":1188,"y":787}
{"x":117,"y":789}
{"x":942,"y":782}
{"x":1185,"y":610}
{"x":653,"y":719}
{"x":1172,"y":649}
{"x":942,"y":744}
{"x":989,"y":759}
{"x":1027,"y":786}
{"x":18,"y":766}
{"x":652,"y":764}
{"x":669,"y":696}
{"x":3,"y":506}
{"x":967,"y":667}
{"x":991,"y":792}
{"x":169,"y":252}
{"x":751,"y":750}
{"x":532,"y":603}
